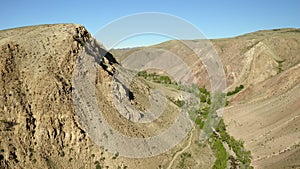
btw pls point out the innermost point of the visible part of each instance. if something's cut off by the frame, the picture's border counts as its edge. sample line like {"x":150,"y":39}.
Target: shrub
{"x":98,"y":166}
{"x":179,"y":103}
{"x":236,"y":90}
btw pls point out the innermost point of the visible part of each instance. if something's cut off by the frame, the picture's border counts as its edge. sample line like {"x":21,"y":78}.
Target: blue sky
{"x":216,"y":19}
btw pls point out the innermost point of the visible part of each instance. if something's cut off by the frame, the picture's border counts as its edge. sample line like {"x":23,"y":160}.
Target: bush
{"x":142,"y":74}
{"x":98,"y":166}
{"x":204,"y":91}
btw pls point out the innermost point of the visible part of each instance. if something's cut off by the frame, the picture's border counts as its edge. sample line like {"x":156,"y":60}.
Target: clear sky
{"x":215,"y":18}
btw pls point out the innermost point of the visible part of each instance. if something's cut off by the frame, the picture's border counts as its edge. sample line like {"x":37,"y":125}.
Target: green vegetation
{"x":199,"y":122}
{"x":243,"y":156}
{"x":236,"y":90}
{"x":279,"y":66}
{"x":98,"y":166}
{"x":82,"y":43}
{"x":206,"y":119}
{"x":179,"y":103}
{"x":204,"y":95}
{"x":202,"y":115}
{"x":207,"y":114}
{"x":276,"y":30}
{"x":156,"y":78}
{"x":221,"y":155}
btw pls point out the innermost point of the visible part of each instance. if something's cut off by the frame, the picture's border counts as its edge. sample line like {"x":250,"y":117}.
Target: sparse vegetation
{"x":179,"y":102}
{"x":294,"y":31}
{"x":220,"y":136}
{"x":98,"y":166}
{"x":236,"y":90}
{"x":252,"y":45}
{"x":183,"y":158}
{"x":243,"y":156}
{"x":201,"y":116}
{"x":204,"y":95}
{"x":8,"y":124}
{"x":62,"y":154}
{"x":116,"y":155}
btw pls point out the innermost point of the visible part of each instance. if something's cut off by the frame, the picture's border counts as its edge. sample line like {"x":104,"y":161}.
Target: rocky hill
{"x":41,"y":126}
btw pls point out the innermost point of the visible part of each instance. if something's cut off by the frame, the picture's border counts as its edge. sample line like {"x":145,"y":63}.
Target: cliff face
{"x":38,"y":126}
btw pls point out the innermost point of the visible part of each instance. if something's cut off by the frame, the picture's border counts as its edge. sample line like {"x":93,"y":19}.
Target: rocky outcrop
{"x":38,"y":126}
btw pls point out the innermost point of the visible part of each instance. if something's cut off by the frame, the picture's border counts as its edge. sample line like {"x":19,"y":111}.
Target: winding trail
{"x":184,"y":149}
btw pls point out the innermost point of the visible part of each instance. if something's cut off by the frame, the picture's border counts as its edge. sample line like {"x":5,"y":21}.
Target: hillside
{"x":55,"y":77}
{"x":43,"y":122}
{"x":265,"y":113}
